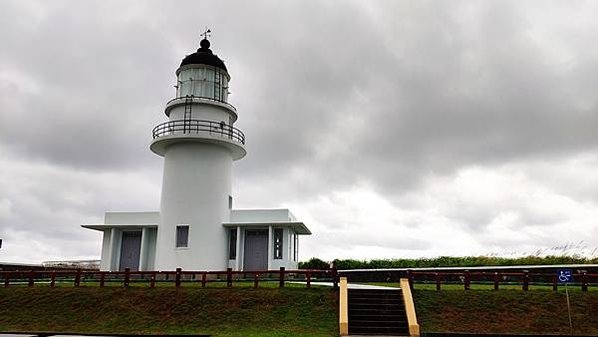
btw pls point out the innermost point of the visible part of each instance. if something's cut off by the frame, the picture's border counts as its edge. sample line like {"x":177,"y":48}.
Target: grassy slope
{"x":506,"y":311}
{"x":220,"y":312}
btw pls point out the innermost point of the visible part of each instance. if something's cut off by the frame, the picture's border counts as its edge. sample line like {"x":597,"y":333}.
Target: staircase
{"x":377,"y":312}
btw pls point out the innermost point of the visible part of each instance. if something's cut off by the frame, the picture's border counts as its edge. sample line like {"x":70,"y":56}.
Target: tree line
{"x":445,"y":261}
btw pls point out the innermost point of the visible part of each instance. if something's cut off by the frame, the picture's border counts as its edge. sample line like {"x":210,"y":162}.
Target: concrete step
{"x":377,"y":317}
{"x":377,"y":312}
{"x":378,"y":330}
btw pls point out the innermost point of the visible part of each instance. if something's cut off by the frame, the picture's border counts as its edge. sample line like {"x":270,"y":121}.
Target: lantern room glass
{"x":208,"y":82}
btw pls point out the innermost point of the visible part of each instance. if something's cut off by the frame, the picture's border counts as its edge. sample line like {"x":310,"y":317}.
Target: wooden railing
{"x":176,"y":278}
{"x":583,"y":280}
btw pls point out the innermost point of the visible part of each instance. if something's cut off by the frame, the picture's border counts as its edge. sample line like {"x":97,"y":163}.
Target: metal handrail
{"x":196,"y":126}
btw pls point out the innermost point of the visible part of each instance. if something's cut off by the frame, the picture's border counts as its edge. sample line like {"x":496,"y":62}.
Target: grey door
{"x":256,"y":250}
{"x":129,"y":250}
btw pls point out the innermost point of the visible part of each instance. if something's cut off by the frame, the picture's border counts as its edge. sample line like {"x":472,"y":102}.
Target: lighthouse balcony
{"x":198,"y":131}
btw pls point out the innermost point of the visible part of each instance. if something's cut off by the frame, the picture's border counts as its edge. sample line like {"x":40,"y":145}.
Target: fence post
{"x":102,"y":278}
{"x":410,"y":278}
{"x":281,"y":277}
{"x":229,"y":277}
{"x":78,"y":278}
{"x":496,"y":280}
{"x":554,"y":283}
{"x":308,"y":279}
{"x":127,"y":276}
{"x":525,"y":282}
{"x":153,"y":280}
{"x":53,"y":278}
{"x":177,"y":280}
{"x":584,"y":281}
{"x":31,"y":276}
{"x":6,"y":280}
{"x":256,"y":279}
{"x":466,"y":280}
{"x":335,"y":277}
{"x":437,"y":281}
{"x":204,"y":278}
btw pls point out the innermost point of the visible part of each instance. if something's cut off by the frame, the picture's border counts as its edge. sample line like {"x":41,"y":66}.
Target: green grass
{"x":507,"y":311}
{"x":264,"y":312}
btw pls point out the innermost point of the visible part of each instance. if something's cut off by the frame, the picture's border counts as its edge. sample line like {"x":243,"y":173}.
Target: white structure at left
{"x":196,"y":227}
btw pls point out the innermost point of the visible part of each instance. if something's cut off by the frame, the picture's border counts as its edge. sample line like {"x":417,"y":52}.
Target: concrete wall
{"x":111,"y":247}
{"x":105,"y":263}
{"x":261,"y":215}
{"x":148,"y":249}
{"x":287,"y":249}
{"x":287,"y":257}
{"x":122,"y":218}
{"x":195,"y":189}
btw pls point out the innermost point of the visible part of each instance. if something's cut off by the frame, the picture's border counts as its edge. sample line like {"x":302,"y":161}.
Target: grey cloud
{"x":330,"y":95}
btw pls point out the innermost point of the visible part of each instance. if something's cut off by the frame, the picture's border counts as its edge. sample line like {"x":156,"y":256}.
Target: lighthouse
{"x":199,"y":144}
{"x":196,"y":227}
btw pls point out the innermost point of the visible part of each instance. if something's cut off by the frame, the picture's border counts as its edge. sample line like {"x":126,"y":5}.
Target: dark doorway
{"x":256,"y":250}
{"x":129,"y":250}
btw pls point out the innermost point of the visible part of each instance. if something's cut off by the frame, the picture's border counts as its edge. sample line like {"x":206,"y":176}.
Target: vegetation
{"x":314,"y":263}
{"x":506,"y":311}
{"x":449,"y":261}
{"x":165,"y":310}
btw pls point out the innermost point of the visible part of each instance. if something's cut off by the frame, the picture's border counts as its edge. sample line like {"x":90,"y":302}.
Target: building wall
{"x":148,"y":249}
{"x":287,"y":250}
{"x":195,"y":190}
{"x":261,"y":215}
{"x":115,"y":243}
{"x":136,"y":218}
{"x":287,"y":259}
{"x":106,"y":250}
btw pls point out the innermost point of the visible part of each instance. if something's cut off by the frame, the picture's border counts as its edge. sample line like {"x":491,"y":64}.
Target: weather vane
{"x":206,"y":33}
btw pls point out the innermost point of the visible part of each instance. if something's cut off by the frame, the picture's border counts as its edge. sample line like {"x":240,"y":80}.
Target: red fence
{"x":496,"y":279}
{"x":177,"y":277}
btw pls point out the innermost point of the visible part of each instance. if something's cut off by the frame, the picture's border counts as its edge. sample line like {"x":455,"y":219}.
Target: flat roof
{"x":101,"y":226}
{"x":298,"y":226}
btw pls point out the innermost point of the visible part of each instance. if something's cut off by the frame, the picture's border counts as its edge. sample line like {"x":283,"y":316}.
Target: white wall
{"x":106,"y":250}
{"x":195,"y":189}
{"x":287,"y":259}
{"x":210,"y":112}
{"x":121,"y":218}
{"x":261,"y":215}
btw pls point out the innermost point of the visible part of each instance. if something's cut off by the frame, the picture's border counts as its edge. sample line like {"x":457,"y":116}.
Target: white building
{"x":196,"y":227}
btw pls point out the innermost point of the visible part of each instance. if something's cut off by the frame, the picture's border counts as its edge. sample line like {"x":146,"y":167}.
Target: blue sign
{"x":564,"y":275}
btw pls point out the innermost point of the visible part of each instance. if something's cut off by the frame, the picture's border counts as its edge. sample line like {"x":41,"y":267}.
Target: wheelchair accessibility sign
{"x":564,"y":276}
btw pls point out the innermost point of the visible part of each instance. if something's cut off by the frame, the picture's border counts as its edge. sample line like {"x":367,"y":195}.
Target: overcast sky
{"x":391,"y":128}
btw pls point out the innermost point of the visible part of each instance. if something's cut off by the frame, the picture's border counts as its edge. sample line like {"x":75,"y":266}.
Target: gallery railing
{"x":196,"y":126}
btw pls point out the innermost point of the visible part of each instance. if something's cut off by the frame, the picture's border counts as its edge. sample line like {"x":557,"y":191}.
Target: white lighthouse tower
{"x":199,"y":144}
{"x":196,"y":227}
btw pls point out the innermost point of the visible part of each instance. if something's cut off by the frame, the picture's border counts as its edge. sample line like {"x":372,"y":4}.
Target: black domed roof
{"x":204,"y":56}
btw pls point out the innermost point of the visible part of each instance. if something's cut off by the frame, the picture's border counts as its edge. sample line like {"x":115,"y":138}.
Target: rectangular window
{"x":277,"y":243}
{"x":232,"y":244}
{"x":182,"y":236}
{"x":230,"y":202}
{"x":290,"y":241}
{"x":296,"y":248}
